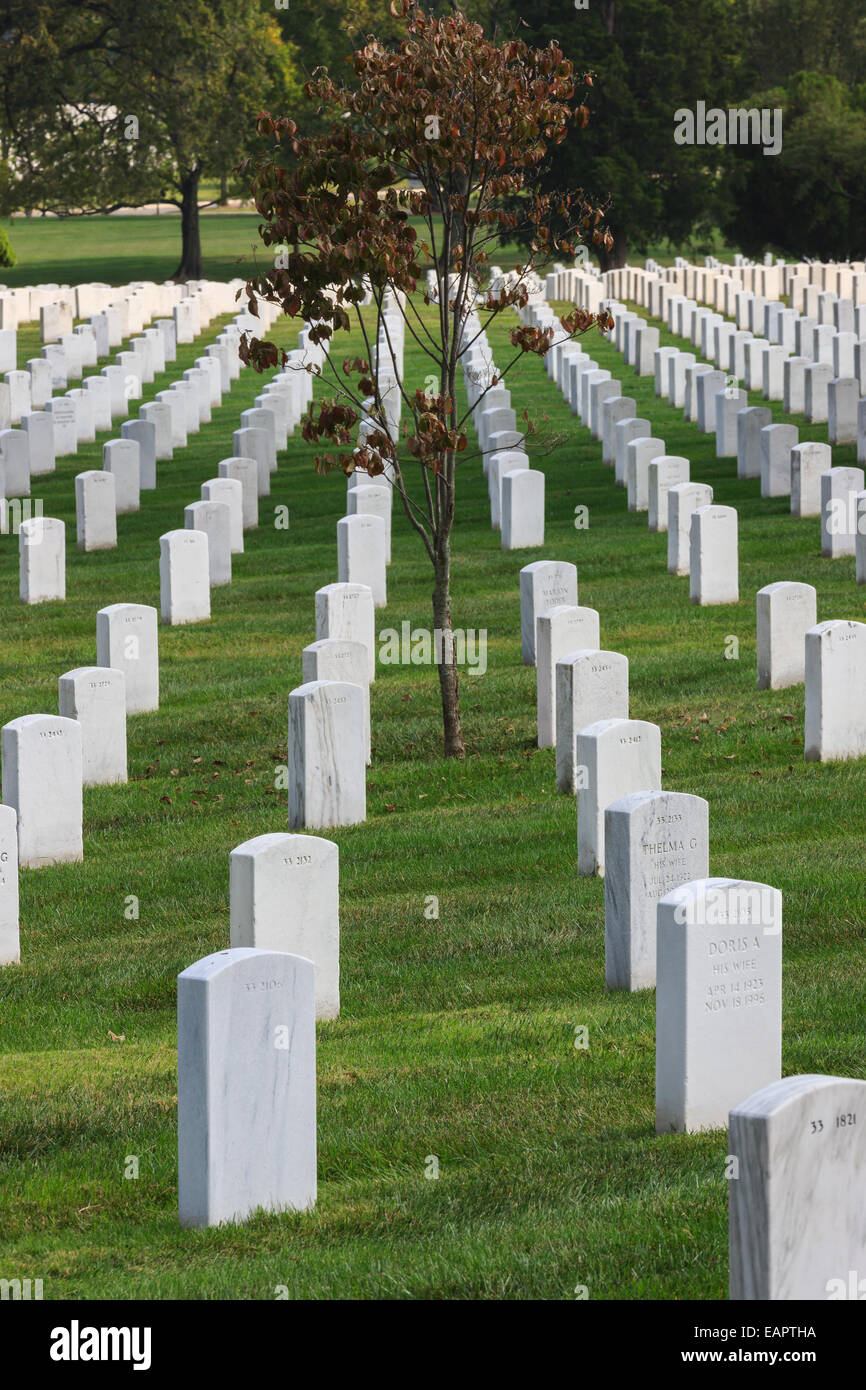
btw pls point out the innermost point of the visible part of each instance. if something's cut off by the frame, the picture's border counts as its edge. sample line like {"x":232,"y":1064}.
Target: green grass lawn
{"x":457,"y":1034}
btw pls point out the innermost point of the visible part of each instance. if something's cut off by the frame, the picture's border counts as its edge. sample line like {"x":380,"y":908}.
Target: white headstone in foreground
{"x":285,"y":896}
{"x":246,"y":1086}
{"x":42,"y":780}
{"x":718,"y":999}
{"x":327,"y":775}
{"x":797,"y":1219}
{"x":127,"y":640}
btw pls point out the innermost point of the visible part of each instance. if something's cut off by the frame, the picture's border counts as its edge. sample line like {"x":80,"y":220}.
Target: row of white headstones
{"x":711,"y":947}
{"x":88,"y":746}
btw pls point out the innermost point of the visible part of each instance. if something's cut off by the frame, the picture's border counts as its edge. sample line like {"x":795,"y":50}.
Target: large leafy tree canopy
{"x":125,"y":102}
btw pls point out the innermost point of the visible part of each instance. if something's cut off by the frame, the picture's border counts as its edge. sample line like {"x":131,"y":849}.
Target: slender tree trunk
{"x":190,"y":259}
{"x":448,"y":681}
{"x":224,"y":190}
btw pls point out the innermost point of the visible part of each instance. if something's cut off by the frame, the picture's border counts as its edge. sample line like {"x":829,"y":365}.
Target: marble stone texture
{"x":96,"y":697}
{"x":544,"y":584}
{"x":663,"y":473}
{"x":42,"y":780}
{"x":10,"y":945}
{"x":566,"y":628}
{"x":127,"y":640}
{"x":590,"y":685}
{"x":797,"y":1218}
{"x":337,"y":659}
{"x":614,"y":757}
{"x":361,"y":552}
{"x":835,"y":718}
{"x":345,"y":611}
{"x":654,"y":842}
{"x":42,"y":560}
{"x":327,"y":776}
{"x":714,"y":556}
{"x":522,"y":509}
{"x":184,"y":577}
{"x":285,"y":896}
{"x":718,"y":999}
{"x":786,"y":610}
{"x":246,"y":1086}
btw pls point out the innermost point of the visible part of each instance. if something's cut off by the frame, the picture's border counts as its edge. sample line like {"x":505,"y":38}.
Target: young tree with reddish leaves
{"x":469,"y":121}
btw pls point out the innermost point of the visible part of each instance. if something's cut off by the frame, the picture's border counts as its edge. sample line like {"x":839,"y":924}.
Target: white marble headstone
{"x":42,"y":780}
{"x":184,"y":577}
{"x":327,"y":773}
{"x":614,"y":757}
{"x":96,"y":697}
{"x":10,"y":947}
{"x":285,"y":896}
{"x":835,"y":719}
{"x":127,"y":639}
{"x":785,"y":612}
{"x":346,"y":611}
{"x":246,"y":1086}
{"x":718,"y":999}
{"x":797,"y":1218}
{"x":565,"y":628}
{"x":544,"y":584}
{"x":654,"y":842}
{"x":590,"y":685}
